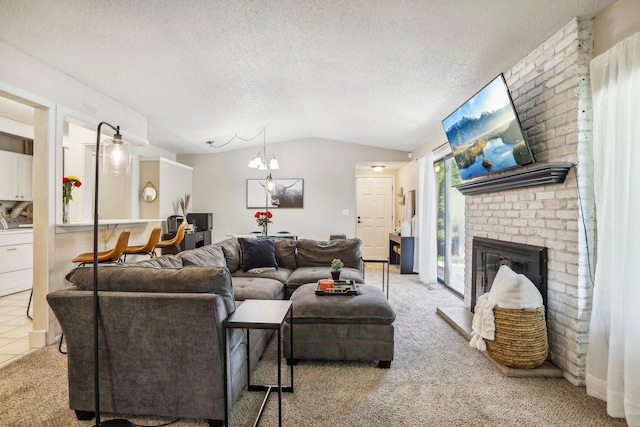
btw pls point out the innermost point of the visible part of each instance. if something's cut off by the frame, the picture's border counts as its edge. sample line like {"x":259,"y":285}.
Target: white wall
{"x":33,"y":83}
{"x":328,"y":170}
{"x":172,"y":181}
{"x":408,"y":180}
{"x":616,"y":22}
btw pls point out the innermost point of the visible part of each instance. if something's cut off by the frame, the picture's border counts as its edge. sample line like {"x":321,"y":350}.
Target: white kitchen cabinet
{"x":16,"y":176}
{"x":16,"y":261}
{"x":8,"y":175}
{"x":25,"y":177}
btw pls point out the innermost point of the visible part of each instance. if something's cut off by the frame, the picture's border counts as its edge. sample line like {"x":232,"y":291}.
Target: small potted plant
{"x":336,"y":268}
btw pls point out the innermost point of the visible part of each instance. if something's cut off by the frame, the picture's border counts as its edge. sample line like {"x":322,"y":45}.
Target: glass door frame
{"x":445,"y":223}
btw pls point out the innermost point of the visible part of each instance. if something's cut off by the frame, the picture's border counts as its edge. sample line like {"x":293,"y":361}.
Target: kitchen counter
{"x":107,"y":224}
{"x":21,"y":230}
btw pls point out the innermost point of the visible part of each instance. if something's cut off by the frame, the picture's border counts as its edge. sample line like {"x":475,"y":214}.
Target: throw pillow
{"x":257,"y":253}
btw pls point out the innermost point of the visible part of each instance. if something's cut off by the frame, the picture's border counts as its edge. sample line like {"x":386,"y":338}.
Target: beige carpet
{"x":436,"y":379}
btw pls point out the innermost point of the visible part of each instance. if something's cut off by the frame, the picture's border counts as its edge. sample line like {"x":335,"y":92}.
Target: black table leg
{"x":224,"y":367}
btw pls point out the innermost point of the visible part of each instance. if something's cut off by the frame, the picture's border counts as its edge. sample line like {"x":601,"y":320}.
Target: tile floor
{"x":14,"y":327}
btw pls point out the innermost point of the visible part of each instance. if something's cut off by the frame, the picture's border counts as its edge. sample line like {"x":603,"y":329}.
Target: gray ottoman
{"x":339,"y":327}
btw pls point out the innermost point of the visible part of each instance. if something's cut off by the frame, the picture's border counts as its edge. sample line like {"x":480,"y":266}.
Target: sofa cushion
{"x":245,"y":288}
{"x":257,"y":253}
{"x":285,"y":252}
{"x":369,"y":306}
{"x":281,"y":274}
{"x":161,"y":280}
{"x":170,"y":261}
{"x":205,"y":256}
{"x":317,"y":253}
{"x":232,"y":254}
{"x":302,"y":275}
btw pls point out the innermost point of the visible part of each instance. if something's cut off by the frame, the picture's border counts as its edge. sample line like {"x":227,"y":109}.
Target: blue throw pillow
{"x":257,"y":253}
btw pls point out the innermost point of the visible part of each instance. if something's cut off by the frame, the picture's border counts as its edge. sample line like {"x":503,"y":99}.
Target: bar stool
{"x":175,"y":241}
{"x":147,"y":248}
{"x":112,"y":255}
{"x":398,"y":253}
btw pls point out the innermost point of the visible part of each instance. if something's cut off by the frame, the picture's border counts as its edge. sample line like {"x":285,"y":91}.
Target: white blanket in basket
{"x":509,"y":290}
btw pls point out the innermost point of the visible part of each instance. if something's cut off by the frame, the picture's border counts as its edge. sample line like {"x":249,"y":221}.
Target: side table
{"x":380,"y":260}
{"x":260,"y":314}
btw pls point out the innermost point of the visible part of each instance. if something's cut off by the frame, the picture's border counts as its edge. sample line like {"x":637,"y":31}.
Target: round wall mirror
{"x":149,"y":193}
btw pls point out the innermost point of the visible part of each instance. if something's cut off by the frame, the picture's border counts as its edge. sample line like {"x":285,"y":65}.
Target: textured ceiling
{"x":375,"y":72}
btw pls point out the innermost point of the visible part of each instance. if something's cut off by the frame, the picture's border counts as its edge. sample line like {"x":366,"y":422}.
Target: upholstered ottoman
{"x":340,"y":327}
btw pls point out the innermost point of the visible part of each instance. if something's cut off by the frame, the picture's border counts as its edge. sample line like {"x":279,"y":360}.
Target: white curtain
{"x":425,"y":252}
{"x":613,"y":356}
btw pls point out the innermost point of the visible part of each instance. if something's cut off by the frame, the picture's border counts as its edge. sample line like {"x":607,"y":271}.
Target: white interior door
{"x":374,"y":214}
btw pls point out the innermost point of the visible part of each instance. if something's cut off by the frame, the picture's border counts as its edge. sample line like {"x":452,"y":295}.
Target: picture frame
{"x":289,"y":194}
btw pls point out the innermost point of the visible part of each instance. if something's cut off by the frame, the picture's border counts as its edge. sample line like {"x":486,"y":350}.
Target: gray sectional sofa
{"x":161,"y":324}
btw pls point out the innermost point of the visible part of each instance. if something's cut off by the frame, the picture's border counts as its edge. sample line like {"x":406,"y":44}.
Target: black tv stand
{"x":405,"y":260}
{"x":190,"y":241}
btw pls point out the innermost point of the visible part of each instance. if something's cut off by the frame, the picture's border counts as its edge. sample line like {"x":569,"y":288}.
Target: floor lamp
{"x":269,"y":188}
{"x":116,"y":155}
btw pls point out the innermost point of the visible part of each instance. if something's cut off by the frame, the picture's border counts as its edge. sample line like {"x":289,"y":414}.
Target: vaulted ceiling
{"x":374,"y":72}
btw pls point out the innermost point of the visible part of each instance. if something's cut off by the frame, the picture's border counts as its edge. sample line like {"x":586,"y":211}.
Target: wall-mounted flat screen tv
{"x":485,"y":134}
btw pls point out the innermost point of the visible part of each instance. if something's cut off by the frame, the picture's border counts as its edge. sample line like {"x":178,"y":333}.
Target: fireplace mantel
{"x":538,"y":174}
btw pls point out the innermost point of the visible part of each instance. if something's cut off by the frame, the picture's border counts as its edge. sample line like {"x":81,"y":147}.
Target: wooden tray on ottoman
{"x":340,"y":287}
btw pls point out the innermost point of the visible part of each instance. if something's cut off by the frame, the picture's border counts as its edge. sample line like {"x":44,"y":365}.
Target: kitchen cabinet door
{"x":25,"y":177}
{"x":16,"y":176}
{"x":9,"y":176}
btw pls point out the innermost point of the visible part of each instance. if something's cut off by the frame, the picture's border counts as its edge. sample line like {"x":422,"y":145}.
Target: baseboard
{"x":37,"y":339}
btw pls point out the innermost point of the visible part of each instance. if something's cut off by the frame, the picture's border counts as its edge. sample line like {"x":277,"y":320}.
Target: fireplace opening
{"x":490,"y":254}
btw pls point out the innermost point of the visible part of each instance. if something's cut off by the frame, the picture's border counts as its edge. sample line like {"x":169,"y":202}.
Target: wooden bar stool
{"x":396,"y":249}
{"x":112,"y":255}
{"x":147,"y":248}
{"x":175,"y":241}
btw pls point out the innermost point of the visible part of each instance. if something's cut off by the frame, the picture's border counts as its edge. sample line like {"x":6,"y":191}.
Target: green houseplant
{"x":336,"y":268}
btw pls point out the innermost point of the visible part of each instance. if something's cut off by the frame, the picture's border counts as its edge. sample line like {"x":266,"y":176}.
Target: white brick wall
{"x":550,"y":89}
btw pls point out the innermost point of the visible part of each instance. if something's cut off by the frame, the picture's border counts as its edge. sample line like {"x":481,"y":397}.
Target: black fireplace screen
{"x":490,"y":254}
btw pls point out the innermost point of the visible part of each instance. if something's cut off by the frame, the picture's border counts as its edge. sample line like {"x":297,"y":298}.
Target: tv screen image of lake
{"x":500,"y":155}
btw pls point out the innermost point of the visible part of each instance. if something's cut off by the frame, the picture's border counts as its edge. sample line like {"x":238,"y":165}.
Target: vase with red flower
{"x":68,"y":184}
{"x":263,"y":218}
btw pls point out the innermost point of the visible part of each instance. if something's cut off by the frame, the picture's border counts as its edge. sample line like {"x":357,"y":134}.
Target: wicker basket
{"x":520,"y":338}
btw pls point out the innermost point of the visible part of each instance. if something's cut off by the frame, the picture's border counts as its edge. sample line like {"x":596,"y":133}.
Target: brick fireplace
{"x":550,"y":88}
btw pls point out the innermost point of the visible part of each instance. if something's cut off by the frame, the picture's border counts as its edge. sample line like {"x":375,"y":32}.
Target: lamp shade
{"x":116,"y":156}
{"x":270,"y":185}
{"x":257,"y":161}
{"x":273,"y":163}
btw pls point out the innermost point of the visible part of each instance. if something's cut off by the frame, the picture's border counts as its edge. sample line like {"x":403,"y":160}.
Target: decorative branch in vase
{"x":184,"y":204}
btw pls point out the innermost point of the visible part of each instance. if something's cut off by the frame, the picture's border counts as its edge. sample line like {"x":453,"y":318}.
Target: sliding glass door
{"x":450,"y":226}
